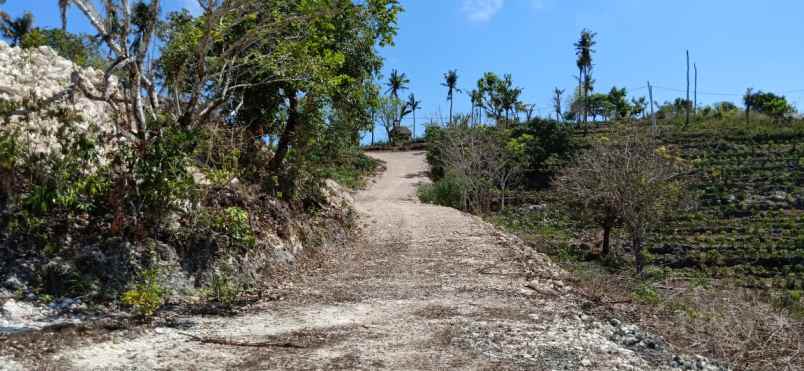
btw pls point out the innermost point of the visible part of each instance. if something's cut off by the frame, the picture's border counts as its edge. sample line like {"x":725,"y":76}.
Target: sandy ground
{"x":428,"y":287}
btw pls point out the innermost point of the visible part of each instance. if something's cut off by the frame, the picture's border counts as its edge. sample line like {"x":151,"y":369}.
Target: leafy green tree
{"x":281,"y":69}
{"x":599,"y":104}
{"x":617,"y":98}
{"x":771,"y":104}
{"x":451,"y":83}
{"x":397,"y":82}
{"x":499,"y":97}
{"x":17,"y":28}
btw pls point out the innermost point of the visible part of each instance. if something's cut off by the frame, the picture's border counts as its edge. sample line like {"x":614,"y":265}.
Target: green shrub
{"x":223,"y":288}
{"x":447,"y":191}
{"x":147,"y":295}
{"x":646,"y":294}
{"x":232,"y":221}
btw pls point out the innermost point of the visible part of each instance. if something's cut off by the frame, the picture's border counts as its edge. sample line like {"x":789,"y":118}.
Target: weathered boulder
{"x":39,"y":95}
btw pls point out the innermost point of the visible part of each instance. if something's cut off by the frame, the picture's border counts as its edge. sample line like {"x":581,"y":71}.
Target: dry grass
{"x":739,"y":326}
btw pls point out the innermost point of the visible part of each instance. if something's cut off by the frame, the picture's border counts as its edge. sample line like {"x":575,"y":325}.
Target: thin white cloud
{"x":481,"y":10}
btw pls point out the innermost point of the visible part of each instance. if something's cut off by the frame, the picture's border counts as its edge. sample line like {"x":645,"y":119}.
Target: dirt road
{"x":428,"y":288}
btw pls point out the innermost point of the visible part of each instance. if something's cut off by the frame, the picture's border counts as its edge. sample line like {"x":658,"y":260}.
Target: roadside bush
{"x":147,"y":295}
{"x":488,"y":164}
{"x":447,"y":191}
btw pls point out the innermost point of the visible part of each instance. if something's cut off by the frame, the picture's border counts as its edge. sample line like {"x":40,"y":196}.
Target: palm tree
{"x":476,"y":98}
{"x":413,"y":105}
{"x":16,"y":29}
{"x":584,"y":51}
{"x":451,"y":82}
{"x":397,"y":82}
{"x":748,"y":100}
{"x":557,"y":102}
{"x":63,"y":4}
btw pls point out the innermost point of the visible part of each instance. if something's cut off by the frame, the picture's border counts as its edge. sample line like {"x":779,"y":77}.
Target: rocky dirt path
{"x":428,"y":288}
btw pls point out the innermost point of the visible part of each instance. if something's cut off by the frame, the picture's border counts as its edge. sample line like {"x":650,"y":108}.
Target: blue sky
{"x":735,"y":43}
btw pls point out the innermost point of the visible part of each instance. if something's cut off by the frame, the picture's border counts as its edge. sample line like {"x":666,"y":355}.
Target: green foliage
{"x":83,"y":50}
{"x":498,"y":96}
{"x":147,"y":295}
{"x":351,"y":171}
{"x":485,"y":164}
{"x":771,"y":104}
{"x":646,"y":294}
{"x":223,"y":288}
{"x":233,"y":222}
{"x":447,"y":191}
{"x":15,"y":29}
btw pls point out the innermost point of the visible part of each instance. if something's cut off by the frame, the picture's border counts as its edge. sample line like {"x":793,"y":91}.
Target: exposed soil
{"x":427,"y":287}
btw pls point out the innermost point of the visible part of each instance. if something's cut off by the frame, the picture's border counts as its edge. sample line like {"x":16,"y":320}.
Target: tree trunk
{"x":288,"y":134}
{"x":414,"y":125}
{"x":639,"y":259}
{"x":450,"y":111}
{"x":606,"y":249}
{"x":580,"y":93}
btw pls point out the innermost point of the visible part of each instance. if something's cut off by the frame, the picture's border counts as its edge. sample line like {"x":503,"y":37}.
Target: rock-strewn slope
{"x":38,"y":89}
{"x":428,"y":287}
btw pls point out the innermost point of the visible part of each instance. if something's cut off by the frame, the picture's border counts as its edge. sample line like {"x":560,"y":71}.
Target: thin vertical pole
{"x":695,"y":105}
{"x":652,"y":113}
{"x":687,"y":103}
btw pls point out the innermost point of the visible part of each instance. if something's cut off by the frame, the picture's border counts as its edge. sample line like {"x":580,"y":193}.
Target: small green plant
{"x":147,"y":295}
{"x":223,"y":289}
{"x":236,"y":222}
{"x":646,"y":294}
{"x":445,"y":192}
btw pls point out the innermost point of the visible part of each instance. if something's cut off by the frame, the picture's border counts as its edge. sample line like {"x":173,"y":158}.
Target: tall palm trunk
{"x":450,"y":109}
{"x":414,"y":124}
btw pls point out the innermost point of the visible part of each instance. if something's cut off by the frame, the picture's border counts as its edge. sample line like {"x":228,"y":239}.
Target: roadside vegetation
{"x":691,"y":230}
{"x":225,"y":128}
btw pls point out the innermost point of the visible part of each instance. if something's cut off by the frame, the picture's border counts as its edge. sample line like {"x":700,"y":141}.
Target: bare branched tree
{"x":479,"y":159}
{"x":626,"y":178}
{"x":127,"y":31}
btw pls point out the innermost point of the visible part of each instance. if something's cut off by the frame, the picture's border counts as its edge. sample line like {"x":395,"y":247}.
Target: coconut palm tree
{"x":476,"y":98}
{"x":584,"y":51}
{"x":396,"y":83}
{"x":413,"y":105}
{"x":451,"y":83}
{"x":63,"y":4}
{"x":16,"y":29}
{"x":557,"y":102}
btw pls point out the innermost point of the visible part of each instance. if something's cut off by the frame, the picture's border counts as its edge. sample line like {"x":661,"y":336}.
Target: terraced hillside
{"x":750,"y":221}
